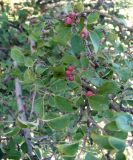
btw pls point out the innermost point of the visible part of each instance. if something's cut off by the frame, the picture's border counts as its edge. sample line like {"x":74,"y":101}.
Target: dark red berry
{"x":68,"y":73}
{"x":89,"y":93}
{"x":71,"y":68}
{"x":71,"y":78}
{"x":68,"y":21}
{"x":84,"y":33}
{"x":72,"y":15}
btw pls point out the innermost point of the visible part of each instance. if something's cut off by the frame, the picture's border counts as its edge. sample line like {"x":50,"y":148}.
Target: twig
{"x":43,"y":2}
{"x":22,"y":115}
{"x":33,"y":102}
{"x":4,"y":49}
{"x":115,"y":19}
{"x":89,"y":52}
{"x":32,"y":46}
{"x":87,"y":86}
{"x":119,"y":108}
{"x":4,"y":139}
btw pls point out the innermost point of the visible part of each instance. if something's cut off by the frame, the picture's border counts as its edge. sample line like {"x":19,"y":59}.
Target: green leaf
{"x":95,"y":40}
{"x":93,"y":77}
{"x":63,"y":34}
{"x":124,"y":73}
{"x":40,"y":69}
{"x":120,"y":156}
{"x":68,"y":59}
{"x":58,"y":86}
{"x":101,"y":141}
{"x":119,"y":48}
{"x":60,"y":123}
{"x":12,"y":132}
{"x":80,"y":102}
{"x":124,"y":123}
{"x":99,"y":102}
{"x":20,"y":123}
{"x":32,"y":125}
{"x":25,"y":124}
{"x":112,"y":126}
{"x":58,"y":71}
{"x":90,"y":156}
{"x":1,"y":154}
{"x":13,"y":154}
{"x":38,"y":106}
{"x":119,"y":134}
{"x":79,"y":7}
{"x":93,"y":17}
{"x":28,"y":62}
{"x":68,"y":157}
{"x":38,"y":152}
{"x":63,"y":104}
{"x":51,"y":101}
{"x":17,"y":55}
{"x":78,"y":135}
{"x":109,"y":87}
{"x":28,"y":76}
{"x":128,"y":102}
{"x":84,"y":61}
{"x":24,"y":147}
{"x":117,"y":143}
{"x":77,"y":44}
{"x":112,"y":37}
{"x":68,"y":149}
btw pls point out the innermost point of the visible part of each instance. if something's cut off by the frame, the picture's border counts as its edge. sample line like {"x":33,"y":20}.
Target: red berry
{"x":71,"y":68}
{"x":72,"y":15}
{"x":89,"y":93}
{"x":84,"y":33}
{"x":68,"y":73}
{"x":68,"y":21}
{"x":71,"y":78}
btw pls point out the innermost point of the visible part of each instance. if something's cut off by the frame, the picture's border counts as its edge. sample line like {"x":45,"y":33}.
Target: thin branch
{"x":43,"y":2}
{"x":119,"y":108}
{"x":89,"y":52}
{"x":114,"y":18}
{"x":33,"y":102}
{"x":32,"y":46}
{"x":87,"y":86}
{"x":22,"y":115}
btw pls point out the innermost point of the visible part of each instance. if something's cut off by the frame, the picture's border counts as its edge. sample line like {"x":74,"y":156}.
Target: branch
{"x":115,"y":19}
{"x":89,"y":52}
{"x":118,"y":108}
{"x":42,"y":2}
{"x":87,"y":86}
{"x":33,"y":101}
{"x":4,"y":49}
{"x":32,"y":46}
{"x":22,"y":115}
{"x":99,"y":4}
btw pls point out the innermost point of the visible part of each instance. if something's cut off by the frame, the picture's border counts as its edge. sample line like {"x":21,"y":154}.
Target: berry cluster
{"x":70,"y":18}
{"x":69,"y":21}
{"x":69,"y":71}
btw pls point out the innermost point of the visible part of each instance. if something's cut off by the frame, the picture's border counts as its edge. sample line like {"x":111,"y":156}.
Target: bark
{"x":21,"y":111}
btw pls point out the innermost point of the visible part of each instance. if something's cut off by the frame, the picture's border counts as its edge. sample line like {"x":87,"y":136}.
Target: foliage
{"x":63,"y":122}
